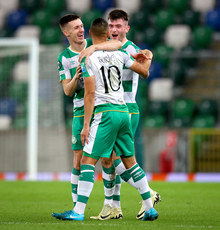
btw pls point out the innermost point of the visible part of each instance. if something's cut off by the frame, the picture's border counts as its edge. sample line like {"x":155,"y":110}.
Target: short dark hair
{"x":68,"y":18}
{"x":118,"y":14}
{"x":99,"y":27}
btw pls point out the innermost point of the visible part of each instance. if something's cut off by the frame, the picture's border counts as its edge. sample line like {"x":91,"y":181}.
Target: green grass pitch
{"x":28,"y":205}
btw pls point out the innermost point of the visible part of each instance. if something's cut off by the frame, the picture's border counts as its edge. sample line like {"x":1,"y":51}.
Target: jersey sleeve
{"x":86,"y":68}
{"x":128,"y":59}
{"x":64,"y":71}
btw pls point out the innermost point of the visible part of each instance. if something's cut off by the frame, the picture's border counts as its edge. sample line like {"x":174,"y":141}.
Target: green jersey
{"x":130,"y":80}
{"x":67,"y":64}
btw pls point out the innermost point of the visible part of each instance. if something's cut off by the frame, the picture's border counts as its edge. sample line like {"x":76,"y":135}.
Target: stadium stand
{"x":165,"y":27}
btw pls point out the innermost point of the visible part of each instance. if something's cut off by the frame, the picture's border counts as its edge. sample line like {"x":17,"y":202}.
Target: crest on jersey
{"x":74,"y":140}
{"x":59,"y":65}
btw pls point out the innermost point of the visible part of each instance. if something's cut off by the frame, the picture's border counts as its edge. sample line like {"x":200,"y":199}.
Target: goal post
{"x":32,"y":45}
{"x":32,"y":143}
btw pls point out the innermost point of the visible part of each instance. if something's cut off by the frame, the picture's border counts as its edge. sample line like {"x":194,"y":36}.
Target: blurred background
{"x":179,"y":103}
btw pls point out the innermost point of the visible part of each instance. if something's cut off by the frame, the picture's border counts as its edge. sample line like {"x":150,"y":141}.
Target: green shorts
{"x":134,"y":116}
{"x":110,"y":131}
{"x":134,"y":122}
{"x":77,"y":127}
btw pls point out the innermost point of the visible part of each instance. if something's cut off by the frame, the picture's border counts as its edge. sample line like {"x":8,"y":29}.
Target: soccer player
{"x":118,"y":28}
{"x":72,"y":81}
{"x":111,"y":127}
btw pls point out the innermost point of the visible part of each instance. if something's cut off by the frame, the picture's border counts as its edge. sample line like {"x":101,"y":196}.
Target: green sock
{"x":116,"y":196}
{"x":124,"y":174}
{"x":85,"y":186}
{"x":108,"y":176}
{"x":74,"y":183}
{"x":141,"y":183}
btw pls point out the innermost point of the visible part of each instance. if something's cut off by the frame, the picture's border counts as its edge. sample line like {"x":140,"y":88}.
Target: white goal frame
{"x":32,"y":128}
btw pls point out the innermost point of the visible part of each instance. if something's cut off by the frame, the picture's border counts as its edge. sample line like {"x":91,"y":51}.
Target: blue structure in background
{"x":212,"y":19}
{"x":156,"y":70}
{"x":103,"y":5}
{"x":16,"y":19}
{"x":8,"y":107}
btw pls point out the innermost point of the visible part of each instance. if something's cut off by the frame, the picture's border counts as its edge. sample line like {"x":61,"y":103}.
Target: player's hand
{"x":147,"y":52}
{"x":78,"y":72}
{"x":84,"y":135}
{"x":140,"y":57}
{"x":86,"y":53}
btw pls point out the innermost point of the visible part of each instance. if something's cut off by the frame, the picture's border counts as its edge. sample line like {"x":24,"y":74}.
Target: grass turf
{"x":28,"y":205}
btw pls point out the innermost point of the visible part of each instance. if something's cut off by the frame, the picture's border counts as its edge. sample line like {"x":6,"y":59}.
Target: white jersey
{"x":107,"y":67}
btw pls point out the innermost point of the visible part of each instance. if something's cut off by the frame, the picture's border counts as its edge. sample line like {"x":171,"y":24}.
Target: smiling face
{"x":118,"y":28}
{"x":74,"y":31}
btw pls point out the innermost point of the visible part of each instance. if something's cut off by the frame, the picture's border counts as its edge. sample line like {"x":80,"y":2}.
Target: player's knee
{"x":76,"y":164}
{"x":77,"y":159}
{"x":107,"y":163}
{"x":129,"y":162}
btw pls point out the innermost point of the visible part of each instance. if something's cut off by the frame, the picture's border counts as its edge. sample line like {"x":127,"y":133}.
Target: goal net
{"x":34,"y":140}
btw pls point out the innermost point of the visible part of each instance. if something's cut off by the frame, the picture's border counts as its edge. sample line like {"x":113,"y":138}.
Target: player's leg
{"x":141,"y":183}
{"x":77,"y":156}
{"x":106,"y":136}
{"x":109,"y":134}
{"x":104,"y":132}
{"x":85,"y":186}
{"x":125,"y":175}
{"x":121,"y":170}
{"x":108,"y":176}
{"x":155,"y":196}
{"x":86,"y":178}
{"x":119,"y":166}
{"x":75,"y":173}
{"x":117,"y":211}
{"x":124,"y":146}
{"x":112,"y":185}
{"x":107,"y":163}
{"x":78,"y":152}
{"x":109,"y":181}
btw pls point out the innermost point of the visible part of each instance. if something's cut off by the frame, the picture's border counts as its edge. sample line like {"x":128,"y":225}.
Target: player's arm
{"x":142,"y":64}
{"x":108,"y":45}
{"x":70,"y":85}
{"x":89,"y":100}
{"x":141,"y":68}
